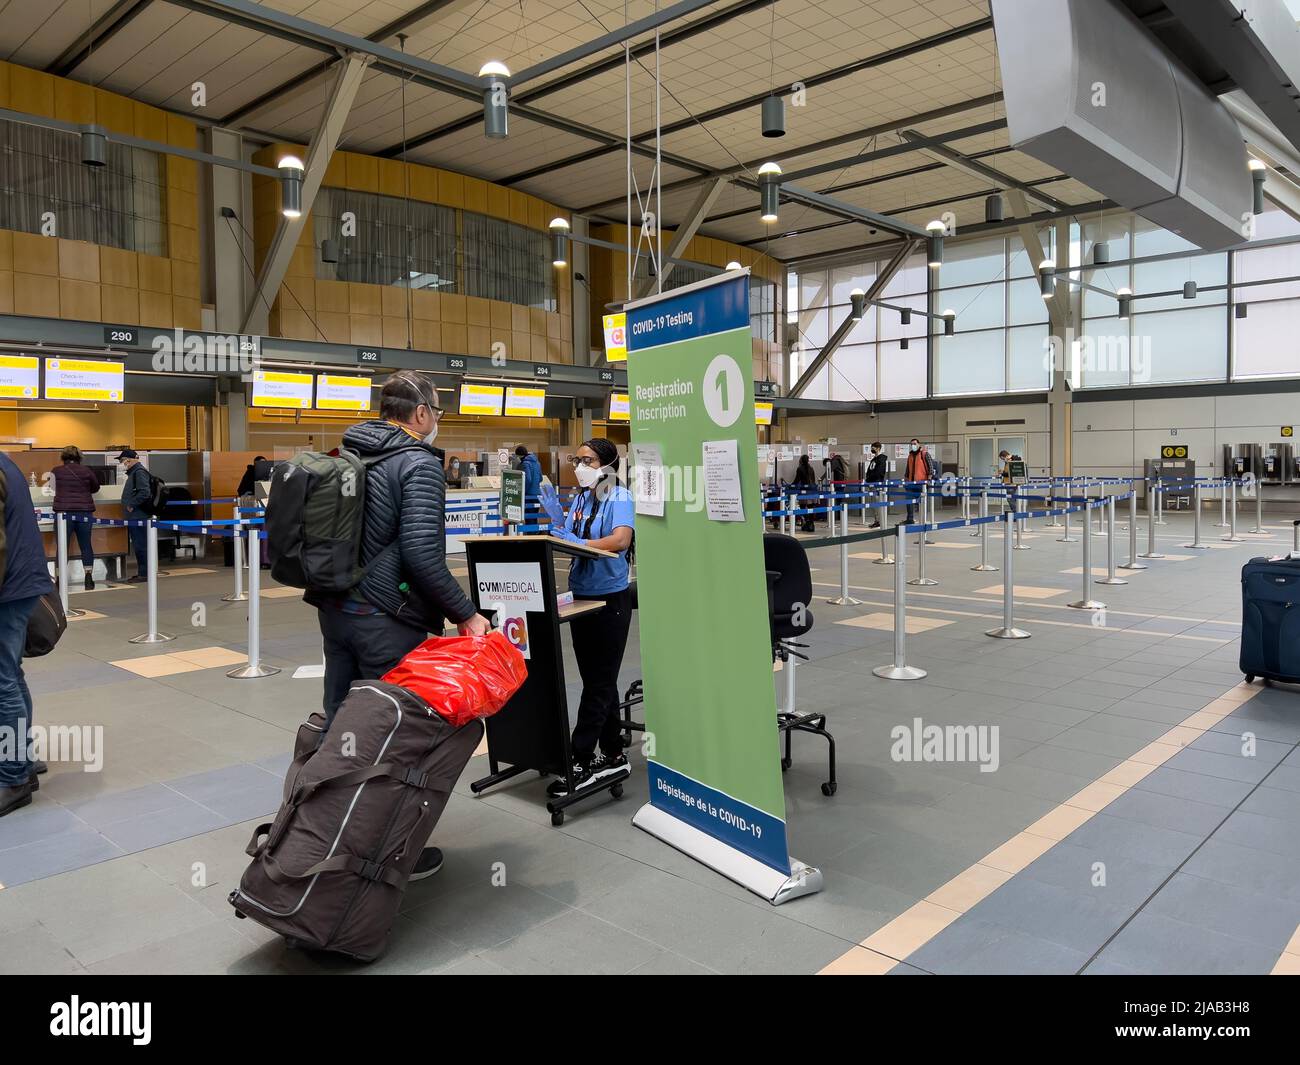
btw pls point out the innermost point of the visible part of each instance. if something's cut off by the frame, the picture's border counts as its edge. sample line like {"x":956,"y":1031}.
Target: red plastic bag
{"x":462,"y":677}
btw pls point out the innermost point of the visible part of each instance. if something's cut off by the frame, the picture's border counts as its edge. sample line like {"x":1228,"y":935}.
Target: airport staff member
{"x":74,"y":490}
{"x":136,"y":492}
{"x":532,"y":471}
{"x":877,"y":469}
{"x":600,"y":516}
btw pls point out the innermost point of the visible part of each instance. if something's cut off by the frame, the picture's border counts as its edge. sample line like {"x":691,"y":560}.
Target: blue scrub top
{"x":600,"y":576}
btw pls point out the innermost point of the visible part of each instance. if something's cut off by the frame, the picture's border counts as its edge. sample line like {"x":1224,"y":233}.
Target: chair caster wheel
{"x":1250,"y":678}
{"x":829,"y":788}
{"x":786,"y":763}
{"x":557,"y":818}
{"x":617,"y":791}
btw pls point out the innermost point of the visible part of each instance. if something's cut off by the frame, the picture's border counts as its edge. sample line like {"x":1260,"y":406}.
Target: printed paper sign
{"x":648,"y":469}
{"x":722,"y":481}
{"x":512,"y":586}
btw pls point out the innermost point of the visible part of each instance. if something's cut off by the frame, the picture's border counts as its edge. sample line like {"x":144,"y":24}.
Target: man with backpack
{"x":921,"y":466}
{"x":877,"y":471}
{"x":137,"y":493}
{"x":25,"y":580}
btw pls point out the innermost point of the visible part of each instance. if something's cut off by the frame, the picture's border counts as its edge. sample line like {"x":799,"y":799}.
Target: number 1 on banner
{"x":722,"y":382}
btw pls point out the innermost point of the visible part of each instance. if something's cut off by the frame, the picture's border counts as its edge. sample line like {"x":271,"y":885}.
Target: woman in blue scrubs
{"x":600,"y":516}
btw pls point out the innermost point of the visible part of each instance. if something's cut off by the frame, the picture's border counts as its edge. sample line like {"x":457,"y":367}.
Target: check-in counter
{"x":107,"y":540}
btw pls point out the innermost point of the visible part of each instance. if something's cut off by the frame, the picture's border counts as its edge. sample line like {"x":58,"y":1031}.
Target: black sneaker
{"x":39,"y":767}
{"x":586,"y":775}
{"x":89,"y":584}
{"x":874,"y":525}
{"x":430,"y":862}
{"x":16,"y":797}
{"x":138,"y":578}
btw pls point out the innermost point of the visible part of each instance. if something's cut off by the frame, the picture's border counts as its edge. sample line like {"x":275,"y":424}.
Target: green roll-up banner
{"x":706,"y":652}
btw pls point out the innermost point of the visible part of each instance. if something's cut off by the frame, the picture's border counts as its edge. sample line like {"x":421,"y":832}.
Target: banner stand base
{"x":763,"y":880}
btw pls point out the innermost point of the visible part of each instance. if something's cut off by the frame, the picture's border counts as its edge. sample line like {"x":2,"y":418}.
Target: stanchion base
{"x":1151,"y":554}
{"x":1008,"y":634}
{"x":1162,"y":523}
{"x":151,"y":637}
{"x":1087,"y":604}
{"x":899,"y":672}
{"x":929,"y":543}
{"x":1257,"y":531}
{"x":888,"y":560}
{"x":845,"y":600}
{"x":1196,"y":547}
{"x":231,"y":597}
{"x":1221,"y":525}
{"x":1067,"y":539}
{"x":1054,"y":525}
{"x":73,"y":612}
{"x":925,"y":581}
{"x":984,"y":567}
{"x":1022,"y":547}
{"x":1110,"y":580}
{"x":1134,"y":565}
{"x":252,"y":672}
{"x":1234,"y":539}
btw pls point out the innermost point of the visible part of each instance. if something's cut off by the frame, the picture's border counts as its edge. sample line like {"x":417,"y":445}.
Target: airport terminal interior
{"x":976,"y":658}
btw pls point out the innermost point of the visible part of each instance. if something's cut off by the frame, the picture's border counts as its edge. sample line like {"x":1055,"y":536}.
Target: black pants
{"x":139,"y":537}
{"x":82,"y":530}
{"x":598,"y":643}
{"x":360,"y":647}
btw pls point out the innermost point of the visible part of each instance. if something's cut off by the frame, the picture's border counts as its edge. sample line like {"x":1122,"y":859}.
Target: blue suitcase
{"x":1270,"y":619}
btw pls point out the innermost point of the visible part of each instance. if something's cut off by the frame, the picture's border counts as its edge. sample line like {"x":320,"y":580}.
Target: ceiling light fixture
{"x":936,"y":230}
{"x":773,"y":116}
{"x":1258,"y":173}
{"x":559,"y":242}
{"x":291,"y":172}
{"x":496,"y":99}
{"x":769,"y":191}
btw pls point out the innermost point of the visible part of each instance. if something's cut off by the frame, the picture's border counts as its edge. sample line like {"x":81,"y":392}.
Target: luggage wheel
{"x":557,"y":818}
{"x":617,"y":791}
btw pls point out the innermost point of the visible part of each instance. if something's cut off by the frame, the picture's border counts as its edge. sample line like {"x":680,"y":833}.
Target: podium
{"x":514,"y":576}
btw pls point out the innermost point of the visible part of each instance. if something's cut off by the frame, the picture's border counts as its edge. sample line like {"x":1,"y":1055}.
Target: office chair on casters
{"x":789,"y":591}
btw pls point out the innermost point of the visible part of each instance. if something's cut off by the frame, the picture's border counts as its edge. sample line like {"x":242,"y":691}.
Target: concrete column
{"x":232,"y":244}
{"x":580,"y":255}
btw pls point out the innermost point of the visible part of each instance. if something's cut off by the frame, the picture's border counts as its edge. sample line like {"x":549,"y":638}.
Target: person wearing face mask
{"x":918,"y":469}
{"x":407,"y":591}
{"x":600,"y":516}
{"x":877,"y":469}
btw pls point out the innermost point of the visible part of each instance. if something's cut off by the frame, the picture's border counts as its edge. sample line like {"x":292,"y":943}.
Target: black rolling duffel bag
{"x":1270,"y":619}
{"x":329,"y":872}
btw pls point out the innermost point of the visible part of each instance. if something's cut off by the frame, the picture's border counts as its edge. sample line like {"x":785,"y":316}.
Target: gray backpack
{"x":315,"y":517}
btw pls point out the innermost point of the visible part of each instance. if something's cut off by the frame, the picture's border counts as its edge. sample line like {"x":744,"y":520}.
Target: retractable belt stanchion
{"x":1160,"y":503}
{"x":984,"y":505}
{"x":1222,"y":523}
{"x":237,"y":535}
{"x":899,"y":669}
{"x":885,"y":558}
{"x":61,"y":562}
{"x":1065,"y":537}
{"x":1295,"y":536}
{"x":1019,"y":505}
{"x":1055,"y":523}
{"x":1133,"y":562}
{"x":829,"y":499}
{"x":1196,"y":520}
{"x":1110,"y":577}
{"x":254,"y":667}
{"x":844,"y":598}
{"x":1259,"y":507}
{"x":984,"y":566}
{"x":927,"y":508}
{"x":1232,"y":536}
{"x":965,"y":498}
{"x":794,"y":505}
{"x":153,"y":635}
{"x":1153,"y":489}
{"x":1087,"y":603}
{"x":1008,"y":630}
{"x":921,"y":541}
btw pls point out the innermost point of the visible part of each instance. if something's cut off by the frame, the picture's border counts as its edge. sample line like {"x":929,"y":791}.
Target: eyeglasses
{"x":437,"y":412}
{"x":576,"y":460}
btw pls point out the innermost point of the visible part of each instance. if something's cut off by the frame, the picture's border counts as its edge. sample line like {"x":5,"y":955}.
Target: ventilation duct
{"x":1091,"y":92}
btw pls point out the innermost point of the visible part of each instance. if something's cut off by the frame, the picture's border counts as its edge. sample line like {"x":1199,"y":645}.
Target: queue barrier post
{"x":899,"y":669}
{"x":1065,"y":537}
{"x":1087,"y":602}
{"x":1295,"y":536}
{"x":1110,"y":577}
{"x":254,"y":667}
{"x":61,"y":563}
{"x":965,"y":499}
{"x":829,"y":499}
{"x":1160,"y":504}
{"x":927,"y":511}
{"x":1007,"y":630}
{"x":1259,"y":507}
{"x":1232,"y":536}
{"x":844,"y":598}
{"x":921,"y":541}
{"x":1133,"y":562}
{"x":151,"y":588}
{"x":1153,"y":489}
{"x":1196,"y":520}
{"x":1222,"y":523}
{"x":237,"y":535}
{"x":794,"y":505}
{"x":1055,"y":523}
{"x":1020,"y":505}
{"x":984,"y":566}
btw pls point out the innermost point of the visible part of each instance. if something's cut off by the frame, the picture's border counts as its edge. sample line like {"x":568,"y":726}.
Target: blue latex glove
{"x":549,"y":498}
{"x":560,"y":532}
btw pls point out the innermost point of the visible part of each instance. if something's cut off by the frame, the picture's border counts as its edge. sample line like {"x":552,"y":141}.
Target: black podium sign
{"x":514,"y":576}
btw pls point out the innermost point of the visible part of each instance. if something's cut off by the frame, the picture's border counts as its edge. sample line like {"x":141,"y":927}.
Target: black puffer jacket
{"x":74,"y":488}
{"x":405,"y":496}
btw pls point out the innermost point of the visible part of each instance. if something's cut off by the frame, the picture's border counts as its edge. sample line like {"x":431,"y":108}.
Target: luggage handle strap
{"x":342,"y":863}
{"x":410,"y":777}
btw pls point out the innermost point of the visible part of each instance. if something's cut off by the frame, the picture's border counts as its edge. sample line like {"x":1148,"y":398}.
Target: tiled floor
{"x":1143,"y":815}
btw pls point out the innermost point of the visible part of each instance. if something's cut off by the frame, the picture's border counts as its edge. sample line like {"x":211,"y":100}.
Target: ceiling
{"x":872,"y":69}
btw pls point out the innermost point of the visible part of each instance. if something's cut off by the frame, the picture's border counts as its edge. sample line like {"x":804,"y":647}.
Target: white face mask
{"x":916,"y":447}
{"x":588,"y":475}
{"x":431,"y":435}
